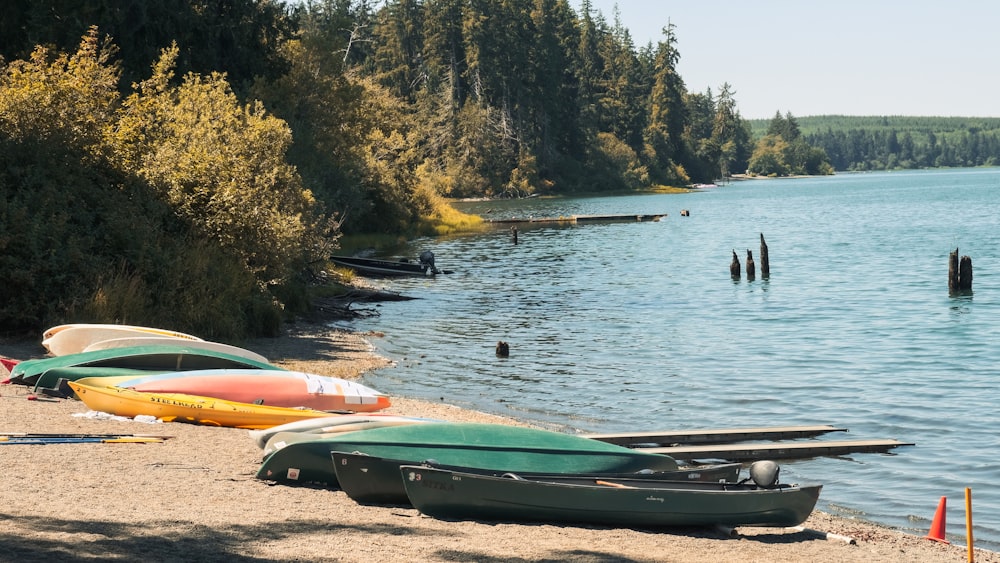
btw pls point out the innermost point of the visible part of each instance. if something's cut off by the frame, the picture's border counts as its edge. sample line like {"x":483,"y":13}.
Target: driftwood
{"x":765,"y":265}
{"x":338,"y":307}
{"x":734,"y":266}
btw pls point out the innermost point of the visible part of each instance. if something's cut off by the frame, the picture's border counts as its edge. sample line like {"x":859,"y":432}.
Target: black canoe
{"x":375,"y":480}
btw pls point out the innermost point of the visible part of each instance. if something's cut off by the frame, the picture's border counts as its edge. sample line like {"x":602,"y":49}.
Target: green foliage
{"x":61,"y":98}
{"x":238,"y":36}
{"x":614,"y":166}
{"x":783,"y":151}
{"x":221,"y":168}
{"x":176,"y":209}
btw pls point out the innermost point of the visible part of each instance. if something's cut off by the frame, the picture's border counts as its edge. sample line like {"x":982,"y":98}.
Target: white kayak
{"x":63,"y":340}
{"x":342,"y":423}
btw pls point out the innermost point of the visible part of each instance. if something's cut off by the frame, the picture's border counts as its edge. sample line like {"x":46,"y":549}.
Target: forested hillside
{"x":192,"y":162}
{"x":891,"y":142}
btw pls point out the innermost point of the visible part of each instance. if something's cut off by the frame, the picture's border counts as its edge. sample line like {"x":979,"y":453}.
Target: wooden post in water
{"x":765,"y":266}
{"x":734,"y":266}
{"x":953,"y":271}
{"x":513,"y":233}
{"x":751,"y":267}
{"x":959,"y":273}
{"x":965,"y":274}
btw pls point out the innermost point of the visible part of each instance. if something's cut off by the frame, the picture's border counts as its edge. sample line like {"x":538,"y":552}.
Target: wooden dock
{"x":777,"y":450}
{"x":574,"y":219}
{"x":714,"y":436}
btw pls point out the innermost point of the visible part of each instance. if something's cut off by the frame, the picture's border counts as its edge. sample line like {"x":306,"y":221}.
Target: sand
{"x":194,"y":497}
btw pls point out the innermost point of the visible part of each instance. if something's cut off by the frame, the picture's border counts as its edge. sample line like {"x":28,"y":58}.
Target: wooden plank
{"x":778,"y":450}
{"x":617,"y":218}
{"x":714,"y":436}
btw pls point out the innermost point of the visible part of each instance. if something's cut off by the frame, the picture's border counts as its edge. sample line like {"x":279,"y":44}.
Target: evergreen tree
{"x":556,"y":113}
{"x":667,"y":117}
{"x":444,"y":52}
{"x":399,"y":47}
{"x":590,"y":70}
{"x":731,"y":133}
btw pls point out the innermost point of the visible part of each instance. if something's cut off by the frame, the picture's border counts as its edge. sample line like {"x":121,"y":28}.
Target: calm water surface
{"x":638,"y":326}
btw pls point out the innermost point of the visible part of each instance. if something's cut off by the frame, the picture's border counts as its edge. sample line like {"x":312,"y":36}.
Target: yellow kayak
{"x":177,"y":407}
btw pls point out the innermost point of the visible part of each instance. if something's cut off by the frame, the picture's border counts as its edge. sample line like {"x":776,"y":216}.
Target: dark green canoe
{"x":375,"y":480}
{"x":162,"y":358}
{"x":619,"y":502}
{"x":481,"y":446}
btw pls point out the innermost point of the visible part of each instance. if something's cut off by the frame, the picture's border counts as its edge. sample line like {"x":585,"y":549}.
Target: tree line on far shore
{"x":863,"y":143}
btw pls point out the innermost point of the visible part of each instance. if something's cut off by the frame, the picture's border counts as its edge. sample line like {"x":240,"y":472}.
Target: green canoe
{"x":619,"y":502}
{"x":481,"y":446}
{"x":172,"y":357}
{"x":375,"y":480}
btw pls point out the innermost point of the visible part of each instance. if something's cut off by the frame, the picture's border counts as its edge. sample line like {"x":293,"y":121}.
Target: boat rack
{"x":733,"y":444}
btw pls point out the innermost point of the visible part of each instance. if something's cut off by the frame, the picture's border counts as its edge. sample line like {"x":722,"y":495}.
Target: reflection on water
{"x":625,"y":326}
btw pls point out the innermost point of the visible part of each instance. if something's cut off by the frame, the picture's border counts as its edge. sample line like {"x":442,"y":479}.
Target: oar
{"x":42,"y":441}
{"x":611,"y":484}
{"x":20,"y":435}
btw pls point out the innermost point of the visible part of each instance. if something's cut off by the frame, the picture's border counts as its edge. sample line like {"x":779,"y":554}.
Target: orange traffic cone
{"x":937,"y":526}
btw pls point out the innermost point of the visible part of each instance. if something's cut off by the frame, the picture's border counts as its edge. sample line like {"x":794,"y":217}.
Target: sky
{"x":843,"y":57}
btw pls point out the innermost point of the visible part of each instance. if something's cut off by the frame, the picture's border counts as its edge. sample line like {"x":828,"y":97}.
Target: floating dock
{"x":574,"y":219}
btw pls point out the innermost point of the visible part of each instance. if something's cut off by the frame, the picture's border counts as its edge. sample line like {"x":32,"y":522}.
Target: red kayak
{"x":266,"y":387}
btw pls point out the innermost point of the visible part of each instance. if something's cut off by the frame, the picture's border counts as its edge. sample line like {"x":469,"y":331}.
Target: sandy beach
{"x":194,"y":497}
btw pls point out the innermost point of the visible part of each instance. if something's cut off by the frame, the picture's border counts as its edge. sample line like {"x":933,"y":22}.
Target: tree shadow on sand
{"x":76,"y":540}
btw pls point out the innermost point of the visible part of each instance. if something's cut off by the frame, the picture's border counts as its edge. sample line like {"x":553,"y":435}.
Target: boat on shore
{"x":344,"y":423}
{"x":375,"y":480}
{"x":129,"y":342}
{"x":176,"y":407}
{"x":73,"y":334}
{"x":44,"y":373}
{"x":276,"y":388}
{"x":450,"y":494}
{"x":424,"y":266}
{"x":295,"y":458}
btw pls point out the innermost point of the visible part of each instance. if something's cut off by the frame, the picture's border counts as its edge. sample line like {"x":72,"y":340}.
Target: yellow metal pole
{"x":968,"y":523}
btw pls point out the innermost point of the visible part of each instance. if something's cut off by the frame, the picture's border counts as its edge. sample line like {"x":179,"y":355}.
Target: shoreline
{"x":194,"y":497}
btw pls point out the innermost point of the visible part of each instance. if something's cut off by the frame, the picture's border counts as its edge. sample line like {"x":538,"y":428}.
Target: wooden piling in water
{"x":965,"y":274}
{"x":765,"y":266}
{"x":751,"y":267}
{"x":959,"y":273}
{"x":734,"y":266}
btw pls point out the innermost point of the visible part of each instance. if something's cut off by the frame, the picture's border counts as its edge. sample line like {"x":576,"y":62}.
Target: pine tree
{"x":666,"y":111}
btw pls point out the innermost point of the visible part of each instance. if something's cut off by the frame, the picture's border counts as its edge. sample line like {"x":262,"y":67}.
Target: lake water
{"x":638,"y":326}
